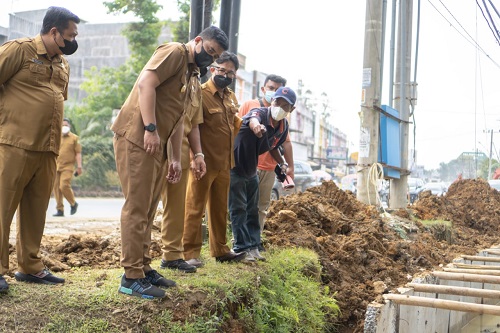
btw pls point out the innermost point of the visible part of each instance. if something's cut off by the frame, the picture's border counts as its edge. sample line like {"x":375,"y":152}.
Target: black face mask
{"x":222,"y":81}
{"x":203,"y":59}
{"x":69,"y":47}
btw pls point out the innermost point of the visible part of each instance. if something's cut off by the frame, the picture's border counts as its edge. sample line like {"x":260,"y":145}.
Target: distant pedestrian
{"x":263,"y":129}
{"x":217,"y":136}
{"x":70,"y":154}
{"x":34,"y":80}
{"x":151,"y":116}
{"x":265,"y":168}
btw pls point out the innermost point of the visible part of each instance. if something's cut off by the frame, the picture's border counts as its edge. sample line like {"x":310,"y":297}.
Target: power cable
{"x":494,"y":30}
{"x":473,"y":42}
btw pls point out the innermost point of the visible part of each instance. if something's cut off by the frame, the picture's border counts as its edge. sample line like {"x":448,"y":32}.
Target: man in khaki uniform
{"x":217,"y":136}
{"x":69,"y":154}
{"x":173,"y":196}
{"x":33,"y":86}
{"x":151,"y":115}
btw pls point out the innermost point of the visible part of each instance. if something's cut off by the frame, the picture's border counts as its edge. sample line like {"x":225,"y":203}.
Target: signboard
{"x":336,"y":153}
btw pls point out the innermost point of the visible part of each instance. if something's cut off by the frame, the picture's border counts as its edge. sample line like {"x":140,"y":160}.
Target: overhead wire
{"x":470,"y":40}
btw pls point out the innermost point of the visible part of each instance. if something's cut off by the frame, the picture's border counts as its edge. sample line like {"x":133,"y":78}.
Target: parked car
{"x":495,"y":183}
{"x":435,"y":188}
{"x":415,"y":186}
{"x":304,"y":178}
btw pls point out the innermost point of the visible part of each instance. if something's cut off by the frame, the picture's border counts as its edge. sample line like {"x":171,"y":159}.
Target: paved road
{"x":90,"y":208}
{"x":94,"y":215}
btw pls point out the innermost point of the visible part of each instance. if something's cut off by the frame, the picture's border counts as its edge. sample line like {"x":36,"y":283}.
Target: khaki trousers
{"x":25,"y":184}
{"x":266,"y":182}
{"x":141,"y":177}
{"x":62,"y":188}
{"x":173,"y":197}
{"x":212,"y":192}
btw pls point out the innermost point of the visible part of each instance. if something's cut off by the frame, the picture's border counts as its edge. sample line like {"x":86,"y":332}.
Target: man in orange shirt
{"x":34,"y":80}
{"x":265,"y":168}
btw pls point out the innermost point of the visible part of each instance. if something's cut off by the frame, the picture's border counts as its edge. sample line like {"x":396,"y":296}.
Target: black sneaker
{"x":74,"y":208}
{"x":158,"y":280}
{"x":4,"y":286}
{"x":42,"y":277}
{"x":140,"y":288}
{"x":59,"y":213}
{"x":178,"y":264}
{"x":231,"y":257}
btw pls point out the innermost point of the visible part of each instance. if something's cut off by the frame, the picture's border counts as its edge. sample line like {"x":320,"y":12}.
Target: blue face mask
{"x":269,"y":95}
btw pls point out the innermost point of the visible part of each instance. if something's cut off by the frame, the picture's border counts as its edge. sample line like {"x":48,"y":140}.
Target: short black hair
{"x":58,"y":17}
{"x":217,"y":35}
{"x":275,"y":78}
{"x":67,"y":119}
{"x":228,"y":56}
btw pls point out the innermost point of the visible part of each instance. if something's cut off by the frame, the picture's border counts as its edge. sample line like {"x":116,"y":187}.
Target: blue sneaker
{"x":140,"y":288}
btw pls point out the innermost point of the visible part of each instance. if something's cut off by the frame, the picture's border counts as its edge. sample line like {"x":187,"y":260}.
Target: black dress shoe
{"x":59,"y":213}
{"x":74,"y":208}
{"x":231,"y":257}
{"x":4,"y":286}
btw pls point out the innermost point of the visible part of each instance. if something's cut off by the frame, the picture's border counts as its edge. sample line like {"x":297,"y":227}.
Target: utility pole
{"x":399,"y":187}
{"x":371,"y":96}
{"x":491,"y":150}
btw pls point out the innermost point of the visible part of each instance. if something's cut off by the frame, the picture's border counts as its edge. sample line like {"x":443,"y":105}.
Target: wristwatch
{"x":150,"y":128}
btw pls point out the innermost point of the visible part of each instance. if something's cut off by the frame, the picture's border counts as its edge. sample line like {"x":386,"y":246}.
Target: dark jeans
{"x":244,"y":211}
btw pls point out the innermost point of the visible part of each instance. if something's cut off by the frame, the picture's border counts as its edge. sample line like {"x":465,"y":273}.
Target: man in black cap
{"x":263,"y":129}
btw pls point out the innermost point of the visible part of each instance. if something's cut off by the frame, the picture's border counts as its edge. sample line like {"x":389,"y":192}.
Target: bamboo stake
{"x":481,"y":258}
{"x":493,"y":251}
{"x":443,"y":304}
{"x":472,"y":271}
{"x":467,"y":277}
{"x":492,"y":267}
{"x":453,"y":290}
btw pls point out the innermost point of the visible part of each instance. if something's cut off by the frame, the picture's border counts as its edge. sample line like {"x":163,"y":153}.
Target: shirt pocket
{"x":38,"y":74}
{"x":60,"y":79}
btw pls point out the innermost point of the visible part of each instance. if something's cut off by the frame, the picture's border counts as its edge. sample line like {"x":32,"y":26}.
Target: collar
{"x":190,"y":50}
{"x":41,"y":50}
{"x":281,"y":123}
{"x":213,"y":89}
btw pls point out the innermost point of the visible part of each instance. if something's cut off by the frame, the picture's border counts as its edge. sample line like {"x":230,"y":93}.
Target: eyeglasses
{"x":223,"y":71}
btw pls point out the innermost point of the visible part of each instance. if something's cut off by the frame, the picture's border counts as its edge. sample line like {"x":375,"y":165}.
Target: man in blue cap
{"x":262,"y":130}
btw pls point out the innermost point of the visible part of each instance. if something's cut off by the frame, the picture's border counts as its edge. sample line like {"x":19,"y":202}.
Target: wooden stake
{"x":472,"y":271}
{"x":453,"y":290}
{"x":467,"y":277}
{"x":459,"y":265}
{"x":443,"y":304}
{"x":481,"y":258}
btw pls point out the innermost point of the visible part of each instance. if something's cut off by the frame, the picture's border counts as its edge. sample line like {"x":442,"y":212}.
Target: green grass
{"x":283,"y":294}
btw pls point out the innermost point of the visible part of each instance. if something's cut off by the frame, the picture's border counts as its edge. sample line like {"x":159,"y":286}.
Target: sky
{"x":322,"y":43}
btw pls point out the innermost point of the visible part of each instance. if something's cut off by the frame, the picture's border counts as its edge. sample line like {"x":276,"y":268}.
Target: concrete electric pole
{"x":370,"y":100}
{"x":399,"y":187}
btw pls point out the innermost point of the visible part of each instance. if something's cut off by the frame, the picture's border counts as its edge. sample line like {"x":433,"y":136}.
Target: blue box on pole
{"x":390,"y":142}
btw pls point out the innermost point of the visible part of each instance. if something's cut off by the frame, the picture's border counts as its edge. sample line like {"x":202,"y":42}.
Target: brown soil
{"x":363,"y":253}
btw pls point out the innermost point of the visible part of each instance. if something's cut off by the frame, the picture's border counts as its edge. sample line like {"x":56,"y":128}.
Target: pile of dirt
{"x":363,"y":253}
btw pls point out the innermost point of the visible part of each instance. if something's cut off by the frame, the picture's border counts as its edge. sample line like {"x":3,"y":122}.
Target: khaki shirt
{"x":192,"y":117}
{"x":177,"y":72}
{"x":70,"y":146}
{"x":217,"y":130}
{"x":32,"y":94}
